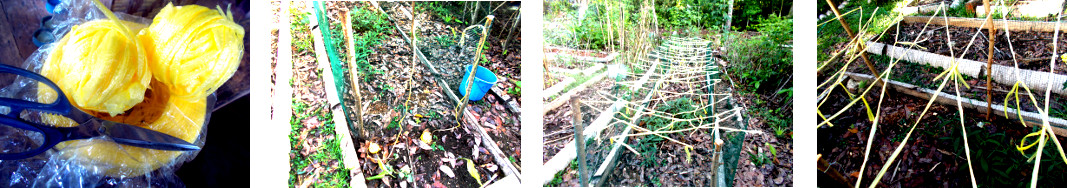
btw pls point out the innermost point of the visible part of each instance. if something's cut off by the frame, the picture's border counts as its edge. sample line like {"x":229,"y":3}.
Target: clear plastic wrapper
{"x":98,"y":161}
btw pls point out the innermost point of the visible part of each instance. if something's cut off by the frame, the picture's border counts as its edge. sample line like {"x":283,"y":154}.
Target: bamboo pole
{"x":1014,"y":25}
{"x":989,"y":62}
{"x":349,"y":158}
{"x":852,"y":35}
{"x":825,"y":167}
{"x":579,"y":141}
{"x":1059,"y":126}
{"x":474,"y":67}
{"x":357,"y":127}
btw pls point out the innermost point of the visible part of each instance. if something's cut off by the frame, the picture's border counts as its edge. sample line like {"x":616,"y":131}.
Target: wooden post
{"x":353,"y":68}
{"x":989,"y":63}
{"x":851,"y":35}
{"x":576,"y":108}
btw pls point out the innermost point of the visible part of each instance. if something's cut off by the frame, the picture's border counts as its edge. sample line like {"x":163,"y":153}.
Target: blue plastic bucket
{"x":484,"y":79}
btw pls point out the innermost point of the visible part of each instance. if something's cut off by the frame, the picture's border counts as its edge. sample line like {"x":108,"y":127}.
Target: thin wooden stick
{"x":852,"y":35}
{"x":353,"y":69}
{"x":576,"y":108}
{"x":989,"y":63}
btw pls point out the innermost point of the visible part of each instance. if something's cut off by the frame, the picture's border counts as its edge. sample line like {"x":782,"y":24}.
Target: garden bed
{"x":1032,"y":48}
{"x":440,"y":44}
{"x":617,"y":157}
{"x":403,"y":101}
{"x":559,"y":128}
{"x":935,"y":154}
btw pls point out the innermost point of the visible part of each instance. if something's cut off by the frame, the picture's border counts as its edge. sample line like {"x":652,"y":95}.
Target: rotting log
{"x":594,"y":69}
{"x":498,"y":155}
{"x":928,"y":8}
{"x":1036,"y":80}
{"x":1013,"y":25}
{"x":1059,"y":126}
{"x":611,"y":55}
{"x":349,"y":158}
{"x":281,"y":100}
{"x":511,"y":103}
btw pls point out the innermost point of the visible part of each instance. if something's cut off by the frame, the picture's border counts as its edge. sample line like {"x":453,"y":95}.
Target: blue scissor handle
{"x":52,"y":135}
{"x":60,"y":106}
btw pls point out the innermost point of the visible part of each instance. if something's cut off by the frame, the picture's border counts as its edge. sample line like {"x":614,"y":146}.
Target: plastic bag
{"x":98,"y":161}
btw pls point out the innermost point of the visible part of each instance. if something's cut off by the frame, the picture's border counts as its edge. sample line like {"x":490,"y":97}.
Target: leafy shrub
{"x":687,"y":13}
{"x":591,"y":31}
{"x":763,"y":60}
{"x":369,"y":21}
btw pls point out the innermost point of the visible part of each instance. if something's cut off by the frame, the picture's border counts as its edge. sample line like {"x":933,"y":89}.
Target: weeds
{"x":369,"y":28}
{"x":759,"y":159}
{"x":557,"y":180}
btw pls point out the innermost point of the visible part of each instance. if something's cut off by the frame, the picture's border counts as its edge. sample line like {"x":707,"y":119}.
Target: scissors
{"x":88,"y":126}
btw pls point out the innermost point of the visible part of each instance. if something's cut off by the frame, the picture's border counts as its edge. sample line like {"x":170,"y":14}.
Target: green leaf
{"x":771,"y":147}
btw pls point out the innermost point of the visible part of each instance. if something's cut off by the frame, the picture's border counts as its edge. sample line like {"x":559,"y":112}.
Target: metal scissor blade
{"x":141,"y":137}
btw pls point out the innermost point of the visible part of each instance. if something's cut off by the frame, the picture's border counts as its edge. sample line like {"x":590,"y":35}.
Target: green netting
{"x":331,"y":51}
{"x":733,"y":140}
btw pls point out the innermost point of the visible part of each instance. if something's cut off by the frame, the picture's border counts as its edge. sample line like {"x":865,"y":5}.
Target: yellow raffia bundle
{"x":191,"y":61}
{"x":177,"y":117}
{"x":193,"y":49}
{"x":101,"y":66}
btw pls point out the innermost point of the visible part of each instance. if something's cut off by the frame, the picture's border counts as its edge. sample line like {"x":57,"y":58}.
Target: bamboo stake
{"x":354,"y":77}
{"x":852,"y":35}
{"x":989,"y":63}
{"x":580,"y":142}
{"x":474,"y":68}
{"x":825,"y":167}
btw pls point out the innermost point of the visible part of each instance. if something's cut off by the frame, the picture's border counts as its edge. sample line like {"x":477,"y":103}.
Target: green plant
{"x":449,"y":12}
{"x":516,"y":91}
{"x":758,"y":159}
{"x":445,"y":40}
{"x":788,"y":93}
{"x":1060,"y":112}
{"x":369,"y":28}
{"x":558,"y":178}
{"x":369,"y":21}
{"x":769,"y":57}
{"x":774,"y":153}
{"x":685,"y":13}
